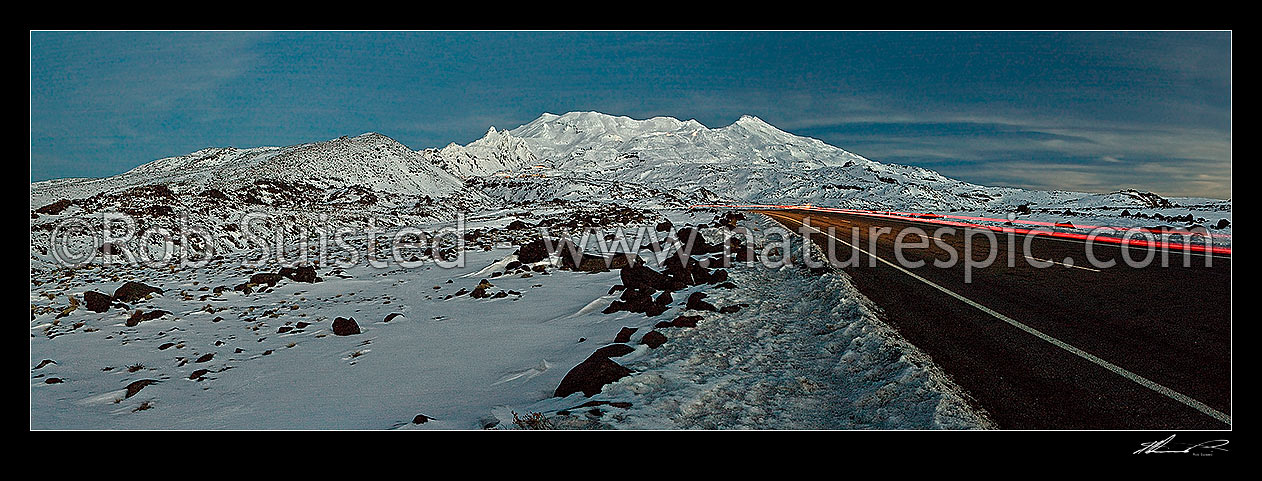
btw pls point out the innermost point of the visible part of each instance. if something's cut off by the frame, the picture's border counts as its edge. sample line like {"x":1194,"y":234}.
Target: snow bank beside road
{"x":808,"y":353}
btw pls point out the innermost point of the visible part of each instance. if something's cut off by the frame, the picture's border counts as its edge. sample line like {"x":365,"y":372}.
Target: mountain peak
{"x":753,"y":122}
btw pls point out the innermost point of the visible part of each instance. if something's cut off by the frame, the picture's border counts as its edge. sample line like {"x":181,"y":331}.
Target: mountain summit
{"x":586,"y":157}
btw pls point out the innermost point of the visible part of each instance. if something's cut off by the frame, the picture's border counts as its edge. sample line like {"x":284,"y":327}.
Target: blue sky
{"x":1088,"y":111}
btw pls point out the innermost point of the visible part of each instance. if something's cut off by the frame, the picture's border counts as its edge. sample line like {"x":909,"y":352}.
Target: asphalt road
{"x":1056,"y":347}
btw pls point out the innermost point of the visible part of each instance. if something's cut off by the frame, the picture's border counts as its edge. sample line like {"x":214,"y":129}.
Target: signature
{"x":1164,"y":446}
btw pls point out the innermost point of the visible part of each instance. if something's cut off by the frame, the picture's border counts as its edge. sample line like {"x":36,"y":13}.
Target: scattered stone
{"x":685,"y":321}
{"x":141,"y":316}
{"x":345,"y":327}
{"x":265,"y":278}
{"x":420,"y":419}
{"x":695,"y":302}
{"x":300,"y":274}
{"x":45,"y":363}
{"x":612,"y":350}
{"x":641,"y":277}
{"x":205,"y":358}
{"x":132,"y":291}
{"x":136,"y":386}
{"x":55,"y":207}
{"x":392,"y":316}
{"x":653,"y":339}
{"x":97,"y":301}
{"x":624,"y":335}
{"x":197,"y":375}
{"x":590,"y":376}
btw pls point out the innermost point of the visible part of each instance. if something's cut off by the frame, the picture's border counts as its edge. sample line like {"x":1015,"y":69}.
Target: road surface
{"x":1057,"y":347}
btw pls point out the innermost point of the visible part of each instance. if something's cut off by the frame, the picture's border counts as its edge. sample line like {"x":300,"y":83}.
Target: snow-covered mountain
{"x":578,"y":157}
{"x":371,"y":161}
{"x":562,"y":156}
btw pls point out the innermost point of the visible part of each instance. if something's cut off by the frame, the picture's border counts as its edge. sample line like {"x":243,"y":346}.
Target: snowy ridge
{"x":747,"y":161}
{"x":370,"y":160}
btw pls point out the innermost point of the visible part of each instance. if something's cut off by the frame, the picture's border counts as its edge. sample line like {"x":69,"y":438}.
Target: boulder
{"x":612,"y":350}
{"x":624,"y":335}
{"x":685,"y":321}
{"x":132,"y":291}
{"x":136,"y":386}
{"x":345,"y":327}
{"x":653,"y":339}
{"x":266,"y":278}
{"x":141,"y":316}
{"x":97,"y":301}
{"x":588,"y":263}
{"x":300,"y":274}
{"x":695,"y":302}
{"x":55,"y":207}
{"x":641,"y":277}
{"x":590,"y":376}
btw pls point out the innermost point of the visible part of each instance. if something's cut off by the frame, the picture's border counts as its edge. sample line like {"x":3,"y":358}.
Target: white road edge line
{"x":1170,"y":393}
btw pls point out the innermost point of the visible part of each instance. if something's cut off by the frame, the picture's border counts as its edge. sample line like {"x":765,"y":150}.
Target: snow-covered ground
{"x":805,"y":351}
{"x":804,"y":354}
{"x":808,"y":353}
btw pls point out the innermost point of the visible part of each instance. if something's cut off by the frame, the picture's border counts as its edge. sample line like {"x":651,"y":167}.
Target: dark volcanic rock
{"x":622,"y":261}
{"x":590,"y":263}
{"x":695,"y":302}
{"x":691,"y":242}
{"x":55,"y":207}
{"x":420,"y":419}
{"x":532,"y":252}
{"x":539,"y":249}
{"x":612,"y":350}
{"x":624,"y":335}
{"x":345,"y":327}
{"x":301,"y":274}
{"x":136,"y":386}
{"x":266,"y":278}
{"x":96,"y":301}
{"x":637,"y":300}
{"x":132,"y":291}
{"x":141,"y":316}
{"x":641,"y":277}
{"x":590,"y":376}
{"x":653,"y":339}
{"x":685,"y":321}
